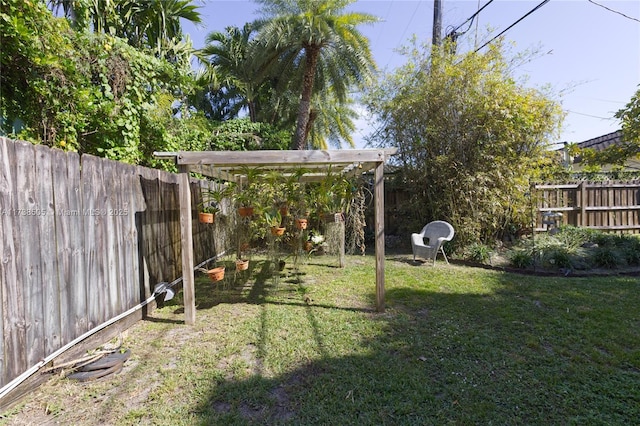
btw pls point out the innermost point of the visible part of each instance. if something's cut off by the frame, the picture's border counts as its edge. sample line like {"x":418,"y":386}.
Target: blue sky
{"x":591,"y":55}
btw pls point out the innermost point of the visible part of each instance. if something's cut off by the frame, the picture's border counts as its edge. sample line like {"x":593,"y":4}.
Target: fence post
{"x":583,"y":204}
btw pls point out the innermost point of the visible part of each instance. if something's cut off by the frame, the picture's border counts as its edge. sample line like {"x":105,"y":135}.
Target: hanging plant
{"x":212,"y":201}
{"x":216,"y":274}
{"x":274,"y":221}
{"x":242,"y":264}
{"x":245,"y":211}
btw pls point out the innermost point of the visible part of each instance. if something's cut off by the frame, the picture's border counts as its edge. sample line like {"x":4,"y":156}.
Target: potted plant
{"x":333,"y":197}
{"x":216,"y":274}
{"x":245,"y":200}
{"x":242,"y":264}
{"x":274,"y":221}
{"x":301,"y":223}
{"x":249,"y":192}
{"x":212,"y":202}
{"x":314,"y":241}
{"x":207,"y":213}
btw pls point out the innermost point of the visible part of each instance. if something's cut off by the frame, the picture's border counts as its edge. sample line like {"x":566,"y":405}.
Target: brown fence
{"x":610,"y":205}
{"x":84,"y":239}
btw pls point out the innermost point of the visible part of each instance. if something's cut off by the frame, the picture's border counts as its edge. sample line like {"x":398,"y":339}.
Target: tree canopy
{"x":87,"y":91}
{"x":320,"y":43}
{"x":469,"y":138}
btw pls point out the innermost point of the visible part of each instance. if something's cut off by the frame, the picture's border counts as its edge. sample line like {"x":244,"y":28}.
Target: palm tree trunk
{"x":311,"y":60}
{"x":313,"y":114}
{"x":252,"y":111}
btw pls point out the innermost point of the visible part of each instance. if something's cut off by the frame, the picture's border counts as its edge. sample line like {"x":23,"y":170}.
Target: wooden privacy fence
{"x":609,"y":205}
{"x":84,"y":239}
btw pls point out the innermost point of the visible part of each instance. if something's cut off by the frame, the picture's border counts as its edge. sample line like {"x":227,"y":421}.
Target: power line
{"x":410,"y":20}
{"x":470,"y":18}
{"x":514,"y":24}
{"x":614,"y":11}
{"x":589,"y":115}
{"x":453,"y":34}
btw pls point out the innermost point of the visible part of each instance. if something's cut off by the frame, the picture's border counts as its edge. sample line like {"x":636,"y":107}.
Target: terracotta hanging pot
{"x":308,"y":245}
{"x":242,"y":264}
{"x":301,"y":223}
{"x":245,"y":211}
{"x":277,"y":231}
{"x":206,"y":217}
{"x":216,"y":274}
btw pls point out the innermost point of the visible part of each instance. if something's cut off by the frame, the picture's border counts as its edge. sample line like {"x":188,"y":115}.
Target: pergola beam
{"x":280,"y":158}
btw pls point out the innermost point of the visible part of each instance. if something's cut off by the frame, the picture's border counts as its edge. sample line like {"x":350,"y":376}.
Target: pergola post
{"x":186,"y":227}
{"x":379,"y":233}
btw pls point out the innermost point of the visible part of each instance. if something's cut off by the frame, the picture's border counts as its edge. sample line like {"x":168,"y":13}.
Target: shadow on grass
{"x":250,"y":286}
{"x":409,"y":260}
{"x":528,"y":352}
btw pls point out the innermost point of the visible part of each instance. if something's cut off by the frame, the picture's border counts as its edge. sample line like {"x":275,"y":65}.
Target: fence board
{"x":95,"y":258}
{"x":111,"y":242}
{"x":129,"y":238}
{"x":170,"y":225}
{"x":13,"y":313}
{"x":31,"y":274}
{"x":69,"y":229}
{"x":44,"y":215}
{"x":141,"y":226}
{"x":4,"y":191}
{"x":148,"y":232}
{"x":166,"y":242}
{"x":78,"y":288}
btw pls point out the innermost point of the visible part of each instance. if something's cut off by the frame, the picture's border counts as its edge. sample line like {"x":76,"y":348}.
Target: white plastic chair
{"x":436,"y":233}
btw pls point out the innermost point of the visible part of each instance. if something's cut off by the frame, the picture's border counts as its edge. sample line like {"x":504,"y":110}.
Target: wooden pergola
{"x":229,"y":166}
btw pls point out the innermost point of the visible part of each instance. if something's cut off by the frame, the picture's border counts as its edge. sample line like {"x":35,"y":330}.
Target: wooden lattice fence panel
{"x":609,"y":206}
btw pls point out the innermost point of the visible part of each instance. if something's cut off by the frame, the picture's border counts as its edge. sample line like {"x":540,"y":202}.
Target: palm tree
{"x":229,"y":60}
{"x":153,"y":24}
{"x":330,"y":123}
{"x":322,"y":42}
{"x":156,"y":23}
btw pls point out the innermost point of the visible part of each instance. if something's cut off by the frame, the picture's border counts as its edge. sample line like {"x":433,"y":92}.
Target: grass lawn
{"x":456,"y":345}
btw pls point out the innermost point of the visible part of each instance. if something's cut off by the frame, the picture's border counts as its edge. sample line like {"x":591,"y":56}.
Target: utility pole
{"x":437,"y":23}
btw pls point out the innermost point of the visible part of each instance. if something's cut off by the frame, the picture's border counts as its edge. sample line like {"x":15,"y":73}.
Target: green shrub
{"x":556,"y":257}
{"x":630,"y":248}
{"x":573,"y":237}
{"x":606,"y":240}
{"x":631,"y":256}
{"x":478,"y":252}
{"x":605,"y":257}
{"x":520,"y":258}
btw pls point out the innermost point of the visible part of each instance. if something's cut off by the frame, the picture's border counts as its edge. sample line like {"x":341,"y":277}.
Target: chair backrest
{"x":438,"y":229}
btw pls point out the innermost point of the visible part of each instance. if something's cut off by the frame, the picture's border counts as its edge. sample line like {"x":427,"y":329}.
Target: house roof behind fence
{"x":602,"y":142}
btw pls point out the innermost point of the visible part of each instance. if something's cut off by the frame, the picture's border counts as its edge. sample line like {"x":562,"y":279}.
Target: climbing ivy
{"x":87,"y":92}
{"x":243,"y":135}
